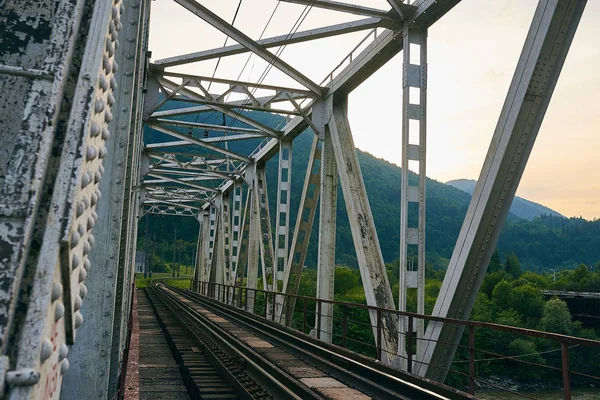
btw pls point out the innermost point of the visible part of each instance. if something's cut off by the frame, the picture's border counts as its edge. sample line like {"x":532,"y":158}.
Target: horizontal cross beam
{"x":276,"y":41}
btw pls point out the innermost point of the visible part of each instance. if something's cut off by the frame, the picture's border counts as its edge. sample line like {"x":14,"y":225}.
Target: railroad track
{"x":306,"y":368}
{"x":207,"y":372}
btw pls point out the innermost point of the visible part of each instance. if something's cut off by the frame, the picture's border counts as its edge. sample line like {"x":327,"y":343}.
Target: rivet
{"x":98,"y":105}
{"x":123,"y":126}
{"x":122,"y":8}
{"x":81,"y":230}
{"x":82,"y":291}
{"x":117,"y":44}
{"x":102,"y":152}
{"x":90,"y":223}
{"x":80,"y":208}
{"x":105,"y":333}
{"x":77,"y":303}
{"x":109,"y":47}
{"x":110,"y":99}
{"x":57,"y":289}
{"x":82,"y":274}
{"x":98,"y":194}
{"x":91,"y":153}
{"x":105,"y":134}
{"x":103,"y":353}
{"x":75,"y":239}
{"x":85,"y":180}
{"x":46,"y":350}
{"x":91,"y":239}
{"x":63,"y":350}
{"x":59,"y":311}
{"x":64,"y":366}
{"x":87,"y":264}
{"x":75,"y":261}
{"x":78,"y":319}
{"x":109,"y":275}
{"x":103,"y":83}
{"x":94,"y":199}
{"x":115,"y":67}
{"x":94,"y":129}
{"x":101,"y":169}
{"x":115,"y":12}
{"x":86,"y":247}
{"x":108,"y":115}
{"x":86,"y":202}
{"x":113,"y":83}
{"x":97,"y":176}
{"x":106,"y":64}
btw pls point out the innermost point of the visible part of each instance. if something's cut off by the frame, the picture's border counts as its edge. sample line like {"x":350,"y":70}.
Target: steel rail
{"x":362,"y":373}
{"x":266,"y":373}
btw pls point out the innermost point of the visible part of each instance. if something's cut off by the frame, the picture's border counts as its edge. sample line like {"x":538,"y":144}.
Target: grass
{"x":182,"y":282}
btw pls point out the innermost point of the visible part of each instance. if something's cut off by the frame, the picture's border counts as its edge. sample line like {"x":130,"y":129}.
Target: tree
{"x":512,"y":265}
{"x":345,"y":279}
{"x":523,"y":347}
{"x":556,"y":317}
{"x":495,"y":262}
{"x":492,"y":279}
{"x":501,"y":295}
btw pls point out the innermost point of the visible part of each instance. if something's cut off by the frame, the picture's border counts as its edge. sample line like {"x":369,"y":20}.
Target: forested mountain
{"x":520,"y":207}
{"x":542,"y":243}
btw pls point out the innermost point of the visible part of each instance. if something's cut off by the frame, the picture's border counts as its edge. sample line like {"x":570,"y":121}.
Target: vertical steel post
{"x":471,"y":360}
{"x":409,"y":350}
{"x":414,"y":140}
{"x":302,"y":230}
{"x":318,"y":318}
{"x":253,"y":239}
{"x":566,"y":375}
{"x":327,"y":225}
{"x":282,"y":217}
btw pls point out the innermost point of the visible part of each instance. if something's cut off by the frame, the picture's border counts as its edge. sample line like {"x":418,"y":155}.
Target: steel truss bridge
{"x":78,"y":89}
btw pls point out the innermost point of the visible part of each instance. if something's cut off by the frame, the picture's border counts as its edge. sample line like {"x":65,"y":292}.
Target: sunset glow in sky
{"x":472,"y":53}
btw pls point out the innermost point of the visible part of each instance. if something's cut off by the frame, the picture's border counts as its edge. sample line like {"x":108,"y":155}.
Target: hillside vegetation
{"x":546,"y":242}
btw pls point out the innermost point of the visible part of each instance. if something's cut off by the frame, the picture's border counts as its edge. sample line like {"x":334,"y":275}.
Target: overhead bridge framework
{"x":78,"y":89}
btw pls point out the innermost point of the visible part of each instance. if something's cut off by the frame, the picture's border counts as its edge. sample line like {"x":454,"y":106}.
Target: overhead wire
{"x":269,"y":66}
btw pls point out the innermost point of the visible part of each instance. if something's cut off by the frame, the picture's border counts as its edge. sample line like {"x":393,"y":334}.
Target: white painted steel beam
{"x":282,"y":40}
{"x":327,"y":230}
{"x":414,"y":143}
{"x":543,"y":55}
{"x":233,"y":83}
{"x":246,"y":133}
{"x":345,"y":7}
{"x":368,"y":252}
{"x":302,"y":230}
{"x":247,"y":42}
{"x":253,"y":239}
{"x":199,"y":142}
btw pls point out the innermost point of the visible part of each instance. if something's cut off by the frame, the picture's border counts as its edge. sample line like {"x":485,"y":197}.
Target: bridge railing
{"x":352,"y":329}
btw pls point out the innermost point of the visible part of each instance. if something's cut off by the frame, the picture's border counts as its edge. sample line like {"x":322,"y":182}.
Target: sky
{"x":472,"y":54}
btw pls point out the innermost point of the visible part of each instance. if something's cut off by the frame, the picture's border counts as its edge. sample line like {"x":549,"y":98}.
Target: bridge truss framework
{"x":76,"y":99}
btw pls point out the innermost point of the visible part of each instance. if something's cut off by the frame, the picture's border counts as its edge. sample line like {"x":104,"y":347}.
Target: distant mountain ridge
{"x":520,"y":207}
